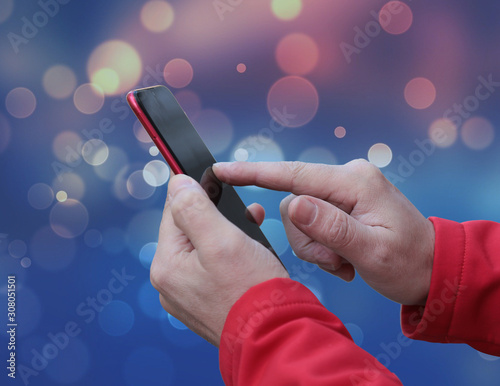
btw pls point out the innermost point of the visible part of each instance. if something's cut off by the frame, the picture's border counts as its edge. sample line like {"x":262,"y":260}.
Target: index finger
{"x":327,"y":182}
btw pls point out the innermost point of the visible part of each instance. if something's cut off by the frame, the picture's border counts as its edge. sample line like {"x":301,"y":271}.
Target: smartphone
{"x":186,"y":153}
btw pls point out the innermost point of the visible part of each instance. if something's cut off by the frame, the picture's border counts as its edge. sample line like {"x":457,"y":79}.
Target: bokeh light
{"x":50,"y":251}
{"x":92,"y":238}
{"x":181,"y":338}
{"x":25,"y":262}
{"x":340,"y":132}
{"x":17,"y":248}
{"x":257,"y":148}
{"x":59,"y":82}
{"x":241,"y":68}
{"x":160,"y":368}
{"x":396,"y":17}
{"x":241,"y":154}
{"x":420,"y":93}
{"x":6,"y":7}
{"x":88,"y":98}
{"x":356,"y":333}
{"x":178,"y":73}
{"x":157,"y":16}
{"x":40,"y":196}
{"x":153,"y":151}
{"x":116,"y":160}
{"x":69,"y":218}
{"x":107,"y":79}
{"x":137,"y":186}
{"x":190,"y":102}
{"x":489,"y":358}
{"x":71,"y":365}
{"x":477,"y":133}
{"x":147,"y":254}
{"x":119,"y":57}
{"x":143,"y":229}
{"x":215,"y":129}
{"x":318,"y":155}
{"x":65,"y":147}
{"x":176,"y":323}
{"x":156,"y":173}
{"x":71,"y":184}
{"x":4,"y":133}
{"x":61,"y":196}
{"x":116,"y":318}
{"x":95,"y":152}
{"x":286,"y":9}
{"x":443,"y":132}
{"x":293,"y":101}
{"x":380,"y":155}
{"x":140,"y":133}
{"x":297,"y":54}
{"x":20,"y":102}
{"x":275,"y":233}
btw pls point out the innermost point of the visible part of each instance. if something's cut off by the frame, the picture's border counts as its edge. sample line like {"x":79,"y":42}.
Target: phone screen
{"x":173,"y":128}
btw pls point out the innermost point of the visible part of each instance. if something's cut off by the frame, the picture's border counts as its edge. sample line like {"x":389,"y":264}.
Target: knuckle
{"x":338,"y":232}
{"x":295,"y":170}
{"x":188,"y":203}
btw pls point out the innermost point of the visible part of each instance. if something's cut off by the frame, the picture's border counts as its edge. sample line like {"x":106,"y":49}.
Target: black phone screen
{"x":192,"y":155}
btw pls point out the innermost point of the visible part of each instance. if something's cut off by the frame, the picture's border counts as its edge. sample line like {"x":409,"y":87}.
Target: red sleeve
{"x":464,"y":298}
{"x":278,"y":333}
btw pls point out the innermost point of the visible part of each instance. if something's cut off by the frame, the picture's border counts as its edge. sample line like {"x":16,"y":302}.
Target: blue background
{"x":131,"y":341}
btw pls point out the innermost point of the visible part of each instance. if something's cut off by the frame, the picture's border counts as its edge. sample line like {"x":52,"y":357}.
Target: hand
{"x":345,"y":215}
{"x":204,"y":263}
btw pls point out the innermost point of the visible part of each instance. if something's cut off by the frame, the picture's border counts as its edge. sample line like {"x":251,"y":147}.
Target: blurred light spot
{"x":489,"y":358}
{"x":178,"y":73}
{"x":4,"y":133}
{"x":149,"y":301}
{"x":69,"y":218}
{"x":293,"y":101}
{"x":95,"y":152}
{"x":117,"y":158}
{"x":318,"y":155}
{"x":275,"y":232}
{"x":286,"y":9}
{"x":297,"y":54}
{"x":241,"y":68}
{"x":71,"y":184}
{"x":477,"y":133}
{"x":71,"y":365}
{"x":17,"y":248}
{"x":443,"y":132}
{"x":6,"y":7}
{"x":25,"y":262}
{"x":61,"y":196}
{"x":88,"y":98}
{"x":143,"y":229}
{"x":116,"y":318}
{"x":216,"y":130}
{"x":20,"y":102}
{"x":380,"y":155}
{"x":157,"y":16}
{"x":66,"y":147}
{"x":122,"y":59}
{"x":156,"y":173}
{"x":59,"y":82}
{"x":356,"y":333}
{"x":107,"y":80}
{"x":395,"y":17}
{"x":160,"y":367}
{"x":113,"y":240}
{"x":137,"y":187}
{"x":190,"y":102}
{"x":258,"y":148}
{"x":176,"y":323}
{"x":147,"y":254}
{"x":40,"y":196}
{"x":93,"y":238}
{"x":340,"y":132}
{"x":420,"y":93}
{"x":50,"y":251}
{"x":241,"y":155}
{"x":181,"y":338}
{"x":153,"y":151}
{"x":140,"y":133}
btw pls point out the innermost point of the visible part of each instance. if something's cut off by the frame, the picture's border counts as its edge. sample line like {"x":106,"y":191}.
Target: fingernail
{"x":305,"y":211}
{"x":220,"y":165}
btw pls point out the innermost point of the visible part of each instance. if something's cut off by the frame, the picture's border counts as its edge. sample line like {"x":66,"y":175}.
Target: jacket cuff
{"x":432,"y":322}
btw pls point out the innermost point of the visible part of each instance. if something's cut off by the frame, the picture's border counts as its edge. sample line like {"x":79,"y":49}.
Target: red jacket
{"x":278,"y":333}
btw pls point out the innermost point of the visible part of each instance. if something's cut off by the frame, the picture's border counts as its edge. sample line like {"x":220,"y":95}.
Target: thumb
{"x":332,"y":227}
